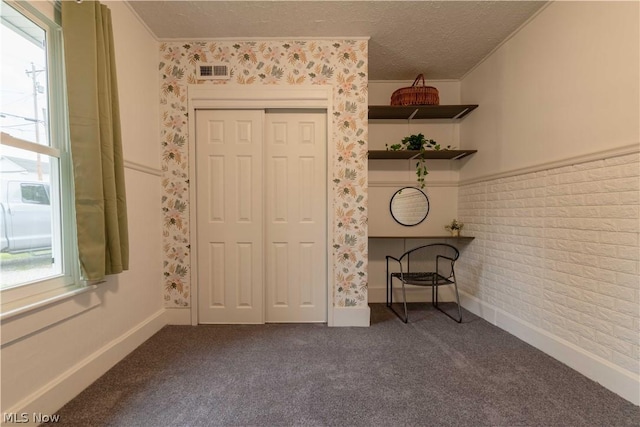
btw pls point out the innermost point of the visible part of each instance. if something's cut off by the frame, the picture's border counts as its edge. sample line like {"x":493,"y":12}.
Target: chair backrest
{"x":423,"y":258}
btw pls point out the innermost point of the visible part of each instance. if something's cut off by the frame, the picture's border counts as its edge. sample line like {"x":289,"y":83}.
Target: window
{"x":37,"y":233}
{"x":35,"y":193}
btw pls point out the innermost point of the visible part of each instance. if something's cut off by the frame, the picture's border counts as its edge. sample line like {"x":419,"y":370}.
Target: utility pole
{"x":34,"y":79}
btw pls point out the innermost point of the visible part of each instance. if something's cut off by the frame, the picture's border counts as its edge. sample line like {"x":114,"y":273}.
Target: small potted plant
{"x":418,"y":142}
{"x":454,"y":227}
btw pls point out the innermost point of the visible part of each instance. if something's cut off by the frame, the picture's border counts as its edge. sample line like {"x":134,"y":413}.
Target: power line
{"x":15,"y":126}
{"x":29,"y":119}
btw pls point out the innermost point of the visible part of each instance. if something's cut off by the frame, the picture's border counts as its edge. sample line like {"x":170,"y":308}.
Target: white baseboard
{"x":342,"y":316}
{"x":379,"y":295}
{"x":610,"y":376}
{"x":178,"y":316}
{"x":351,"y":316}
{"x":54,"y":395}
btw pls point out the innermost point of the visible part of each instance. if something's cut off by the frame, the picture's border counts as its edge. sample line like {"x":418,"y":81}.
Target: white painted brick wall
{"x":560,"y":249}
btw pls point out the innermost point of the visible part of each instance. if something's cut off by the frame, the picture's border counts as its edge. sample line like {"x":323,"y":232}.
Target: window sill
{"x":22,"y":318}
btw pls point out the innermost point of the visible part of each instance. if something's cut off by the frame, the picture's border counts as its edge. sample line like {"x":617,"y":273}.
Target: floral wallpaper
{"x":340,"y":63}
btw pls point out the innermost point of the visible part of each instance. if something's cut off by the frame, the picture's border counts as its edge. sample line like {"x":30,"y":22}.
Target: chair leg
{"x":405,"y":319}
{"x":434,"y":296}
{"x":388,"y":300}
{"x":455,"y":287}
{"x":388,"y":280}
{"x":404,"y":300}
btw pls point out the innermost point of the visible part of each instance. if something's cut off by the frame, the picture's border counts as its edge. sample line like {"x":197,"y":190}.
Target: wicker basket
{"x":416,"y":95}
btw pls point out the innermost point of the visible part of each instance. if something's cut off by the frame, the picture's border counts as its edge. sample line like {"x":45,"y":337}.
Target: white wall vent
{"x":213,"y":72}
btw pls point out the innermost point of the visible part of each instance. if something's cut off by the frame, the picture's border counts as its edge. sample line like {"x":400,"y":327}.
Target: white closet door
{"x":296,"y":228}
{"x":230,"y":216}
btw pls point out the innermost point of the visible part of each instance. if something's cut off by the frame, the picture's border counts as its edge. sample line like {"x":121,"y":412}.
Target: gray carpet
{"x":430,"y":372}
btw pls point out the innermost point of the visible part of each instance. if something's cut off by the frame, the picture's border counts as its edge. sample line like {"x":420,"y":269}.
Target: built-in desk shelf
{"x":419,"y":112}
{"x":468,"y":238}
{"x":414,"y":154}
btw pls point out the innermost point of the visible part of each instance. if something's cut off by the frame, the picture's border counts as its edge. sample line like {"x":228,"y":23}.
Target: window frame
{"x":23,"y":297}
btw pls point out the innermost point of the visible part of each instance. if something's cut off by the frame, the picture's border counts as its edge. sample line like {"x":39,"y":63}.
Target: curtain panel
{"x":96,"y":143}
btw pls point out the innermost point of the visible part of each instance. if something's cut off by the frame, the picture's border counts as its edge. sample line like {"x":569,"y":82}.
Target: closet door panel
{"x":296,"y":228}
{"x":229,"y":187}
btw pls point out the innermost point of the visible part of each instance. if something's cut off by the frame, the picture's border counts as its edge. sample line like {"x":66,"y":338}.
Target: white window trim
{"x":32,"y":317}
{"x":27,"y":308}
{"x":11,"y":141}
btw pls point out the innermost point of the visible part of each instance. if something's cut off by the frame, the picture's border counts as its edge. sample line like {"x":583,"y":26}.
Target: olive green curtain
{"x":96,"y":144}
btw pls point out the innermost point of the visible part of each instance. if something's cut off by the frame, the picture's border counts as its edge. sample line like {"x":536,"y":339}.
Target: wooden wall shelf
{"x":412,"y":154}
{"x":419,"y":112}
{"x":469,"y":238}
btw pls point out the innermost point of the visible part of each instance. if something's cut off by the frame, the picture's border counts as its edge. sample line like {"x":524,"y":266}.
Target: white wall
{"x":555,"y":259}
{"x":44,"y":370}
{"x":565,"y":85}
{"x":139,"y":109}
{"x":388,"y":176}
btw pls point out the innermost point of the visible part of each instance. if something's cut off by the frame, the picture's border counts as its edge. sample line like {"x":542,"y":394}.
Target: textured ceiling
{"x":442,"y":39}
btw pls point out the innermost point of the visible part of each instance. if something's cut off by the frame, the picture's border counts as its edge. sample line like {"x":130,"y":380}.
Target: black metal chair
{"x":428,"y":265}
